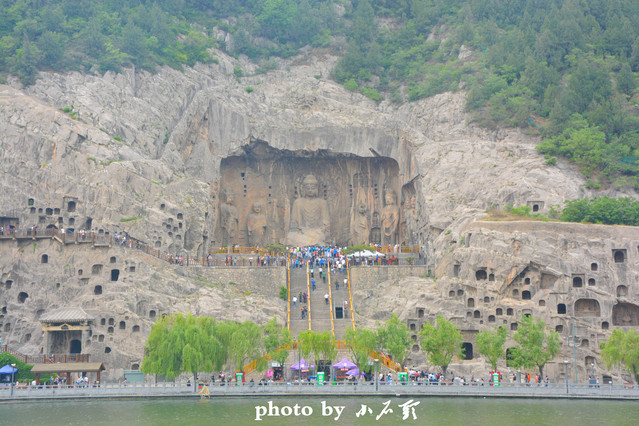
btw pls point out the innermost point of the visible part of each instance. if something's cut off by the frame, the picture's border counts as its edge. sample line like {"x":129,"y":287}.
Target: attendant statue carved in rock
{"x":228,"y":218}
{"x":256,"y":225}
{"x":310,"y":222}
{"x":360,"y":227}
{"x":390,"y":219}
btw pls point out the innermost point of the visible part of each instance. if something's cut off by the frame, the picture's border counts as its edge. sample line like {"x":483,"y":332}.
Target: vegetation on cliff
{"x":566,"y":69}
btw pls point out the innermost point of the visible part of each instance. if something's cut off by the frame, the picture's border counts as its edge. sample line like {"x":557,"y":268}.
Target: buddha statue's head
{"x":390,"y":198}
{"x":228,"y":195}
{"x":310,"y":187}
{"x":257,"y":207}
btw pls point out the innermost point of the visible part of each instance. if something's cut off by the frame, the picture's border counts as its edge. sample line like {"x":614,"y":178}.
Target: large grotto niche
{"x":587,"y":308}
{"x":304,"y":197}
{"x":625,"y":315}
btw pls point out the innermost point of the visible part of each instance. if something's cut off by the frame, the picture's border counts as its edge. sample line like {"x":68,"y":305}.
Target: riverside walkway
{"x":412,"y":389}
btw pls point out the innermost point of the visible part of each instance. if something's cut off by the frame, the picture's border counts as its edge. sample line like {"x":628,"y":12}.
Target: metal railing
{"x":409,"y":388}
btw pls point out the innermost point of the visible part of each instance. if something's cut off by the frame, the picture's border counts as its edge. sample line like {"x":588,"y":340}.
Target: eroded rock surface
{"x":151,"y":156}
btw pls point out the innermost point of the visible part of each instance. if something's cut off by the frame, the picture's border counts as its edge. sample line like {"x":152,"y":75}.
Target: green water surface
{"x":242,"y":411}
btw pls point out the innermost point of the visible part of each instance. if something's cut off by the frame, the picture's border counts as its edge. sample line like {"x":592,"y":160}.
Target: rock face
{"x":178,"y":160}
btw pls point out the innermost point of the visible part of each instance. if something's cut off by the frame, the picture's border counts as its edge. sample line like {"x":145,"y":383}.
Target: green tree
{"x":622,"y":348}
{"x":276,"y":338}
{"x":491,"y":345}
{"x":441,"y":342}
{"x":626,"y":81}
{"x":394,"y":339}
{"x":536,"y":345}
{"x":24,"y":370}
{"x":361,"y":342}
{"x":245,"y":344}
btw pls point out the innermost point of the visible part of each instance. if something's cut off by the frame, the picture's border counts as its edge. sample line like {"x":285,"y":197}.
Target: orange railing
{"x":339,"y":345}
{"x":400,"y":249}
{"x":350,"y":297}
{"x":330,"y":299}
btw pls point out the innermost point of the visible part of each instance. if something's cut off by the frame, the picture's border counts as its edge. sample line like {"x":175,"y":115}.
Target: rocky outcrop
{"x":141,"y":154}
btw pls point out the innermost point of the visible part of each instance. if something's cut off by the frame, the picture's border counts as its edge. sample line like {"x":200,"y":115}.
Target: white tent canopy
{"x":366,"y":253}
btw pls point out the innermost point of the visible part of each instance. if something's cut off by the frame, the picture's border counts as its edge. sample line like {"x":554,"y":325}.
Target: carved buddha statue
{"x":256,"y":225}
{"x":228,"y":218}
{"x":310,"y":222}
{"x":390,"y":219}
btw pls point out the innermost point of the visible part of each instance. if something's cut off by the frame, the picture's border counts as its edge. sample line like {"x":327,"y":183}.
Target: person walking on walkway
{"x":313,"y":284}
{"x":326,"y":298}
{"x":294,"y":300}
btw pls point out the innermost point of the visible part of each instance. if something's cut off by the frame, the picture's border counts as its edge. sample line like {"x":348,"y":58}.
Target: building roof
{"x":69,"y":367}
{"x":68,"y":315}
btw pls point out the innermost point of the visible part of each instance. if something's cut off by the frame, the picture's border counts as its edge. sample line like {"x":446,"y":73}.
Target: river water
{"x":242,"y":411}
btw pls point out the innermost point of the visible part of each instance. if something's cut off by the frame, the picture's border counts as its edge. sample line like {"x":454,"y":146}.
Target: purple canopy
{"x":344,"y":364}
{"x":354,"y":372}
{"x":304,"y":365}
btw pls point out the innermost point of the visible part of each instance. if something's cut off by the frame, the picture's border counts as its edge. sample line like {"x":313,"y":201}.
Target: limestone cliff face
{"x":142,"y":154}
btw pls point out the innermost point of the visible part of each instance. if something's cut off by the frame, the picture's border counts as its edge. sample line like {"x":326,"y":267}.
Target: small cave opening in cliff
{"x":8,"y":284}
{"x":499,"y":311}
{"x":71,"y":206}
{"x":577,"y":281}
{"x":304,"y":197}
{"x":468,"y":351}
{"x":619,"y":255}
{"x":107,"y":350}
{"x":152,"y":314}
{"x":585,"y":343}
{"x":75,"y":347}
{"x":559,"y":328}
{"x":115,"y":274}
{"x":594,"y":266}
{"x":22,"y":297}
{"x":122,"y":325}
{"x":44,"y":258}
{"x":481,"y":274}
{"x":561,"y":308}
{"x":491,"y":318}
{"x":136,"y":329}
{"x":622,"y":291}
{"x":470,"y":303}
{"x":97,"y":290}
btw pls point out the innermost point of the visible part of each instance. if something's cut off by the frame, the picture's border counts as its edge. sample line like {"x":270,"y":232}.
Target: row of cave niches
{"x":416,"y":325}
{"x":624,"y":314}
{"x":174,"y":227}
{"x":96,"y":270}
{"x":111,"y":329}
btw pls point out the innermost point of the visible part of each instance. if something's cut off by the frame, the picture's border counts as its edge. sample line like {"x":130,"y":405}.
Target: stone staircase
{"x":321,"y":312}
{"x":339,"y":296}
{"x":298,"y":285}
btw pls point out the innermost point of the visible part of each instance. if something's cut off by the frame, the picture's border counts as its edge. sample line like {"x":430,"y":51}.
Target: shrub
{"x":283,"y":293}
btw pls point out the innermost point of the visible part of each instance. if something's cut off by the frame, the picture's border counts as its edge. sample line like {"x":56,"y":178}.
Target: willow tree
{"x":276,"y":341}
{"x":394,"y":339}
{"x":622,"y":348}
{"x":441,"y":342}
{"x":361,"y":342}
{"x":245,"y":344}
{"x":163,"y":350}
